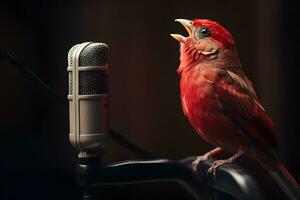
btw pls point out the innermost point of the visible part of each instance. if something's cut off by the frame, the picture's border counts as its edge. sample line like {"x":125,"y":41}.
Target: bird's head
{"x":207,"y":41}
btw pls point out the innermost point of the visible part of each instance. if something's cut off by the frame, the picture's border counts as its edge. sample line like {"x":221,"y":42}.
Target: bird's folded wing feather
{"x":237,"y":97}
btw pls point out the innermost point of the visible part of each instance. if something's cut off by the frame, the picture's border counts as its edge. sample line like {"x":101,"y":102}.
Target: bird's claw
{"x":198,"y":161}
{"x":216,"y":164}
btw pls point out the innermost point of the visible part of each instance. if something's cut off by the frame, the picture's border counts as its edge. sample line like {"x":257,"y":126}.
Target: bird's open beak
{"x":188,"y":25}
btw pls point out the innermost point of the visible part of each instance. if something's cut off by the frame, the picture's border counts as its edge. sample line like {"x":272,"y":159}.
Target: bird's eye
{"x":204,"y":32}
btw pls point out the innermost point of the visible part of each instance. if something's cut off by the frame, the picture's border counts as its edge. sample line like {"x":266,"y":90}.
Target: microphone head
{"x":94,"y":54}
{"x":88,"y":96}
{"x":90,"y":82}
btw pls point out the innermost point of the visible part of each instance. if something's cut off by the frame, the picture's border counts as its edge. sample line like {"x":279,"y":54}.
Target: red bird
{"x":221,"y":104}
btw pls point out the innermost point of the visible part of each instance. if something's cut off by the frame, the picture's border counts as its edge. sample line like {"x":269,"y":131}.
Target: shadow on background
{"x":145,"y":105}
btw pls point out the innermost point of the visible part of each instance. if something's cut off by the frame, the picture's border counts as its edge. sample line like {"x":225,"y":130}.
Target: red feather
{"x":217,"y":31}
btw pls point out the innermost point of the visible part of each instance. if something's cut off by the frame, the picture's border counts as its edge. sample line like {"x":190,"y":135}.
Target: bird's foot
{"x":216,"y":164}
{"x":199,"y":160}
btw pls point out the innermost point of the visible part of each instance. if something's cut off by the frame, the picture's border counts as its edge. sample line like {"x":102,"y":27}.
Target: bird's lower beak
{"x":188,"y":25}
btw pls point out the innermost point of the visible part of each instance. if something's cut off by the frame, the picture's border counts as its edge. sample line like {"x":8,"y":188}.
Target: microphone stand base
{"x":87,"y":159}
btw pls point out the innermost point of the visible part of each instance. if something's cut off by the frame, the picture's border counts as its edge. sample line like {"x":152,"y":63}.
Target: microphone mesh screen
{"x":95,"y":54}
{"x":90,"y":82}
{"x":70,"y":55}
{"x":70,"y":83}
{"x":93,"y":82}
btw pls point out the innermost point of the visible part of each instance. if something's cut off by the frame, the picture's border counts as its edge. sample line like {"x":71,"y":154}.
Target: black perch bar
{"x":231,"y":181}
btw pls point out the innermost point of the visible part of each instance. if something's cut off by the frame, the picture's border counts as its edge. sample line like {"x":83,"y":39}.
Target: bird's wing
{"x":237,"y":97}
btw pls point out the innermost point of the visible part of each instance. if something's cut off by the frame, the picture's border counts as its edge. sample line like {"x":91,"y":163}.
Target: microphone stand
{"x":90,"y":161}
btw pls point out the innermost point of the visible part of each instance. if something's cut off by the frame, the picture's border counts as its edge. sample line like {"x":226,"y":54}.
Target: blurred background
{"x":145,"y":106}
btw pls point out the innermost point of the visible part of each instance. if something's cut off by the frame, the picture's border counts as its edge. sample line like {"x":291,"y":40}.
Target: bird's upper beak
{"x":188,"y":25}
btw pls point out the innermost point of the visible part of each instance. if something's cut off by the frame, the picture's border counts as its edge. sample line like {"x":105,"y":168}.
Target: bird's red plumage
{"x":204,"y":111}
{"x":219,"y":100}
{"x":218,"y":32}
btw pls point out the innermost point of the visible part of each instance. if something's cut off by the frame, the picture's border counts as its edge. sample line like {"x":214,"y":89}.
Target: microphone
{"x":52,"y":92}
{"x":88,"y":97}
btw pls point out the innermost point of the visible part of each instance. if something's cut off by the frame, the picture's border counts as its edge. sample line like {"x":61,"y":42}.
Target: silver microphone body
{"x":88,"y":97}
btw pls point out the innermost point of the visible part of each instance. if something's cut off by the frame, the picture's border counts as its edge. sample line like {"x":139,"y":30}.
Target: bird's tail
{"x":280,"y":175}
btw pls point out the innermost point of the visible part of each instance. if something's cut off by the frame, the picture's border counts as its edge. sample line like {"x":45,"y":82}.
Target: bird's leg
{"x":219,"y":163}
{"x":205,"y":157}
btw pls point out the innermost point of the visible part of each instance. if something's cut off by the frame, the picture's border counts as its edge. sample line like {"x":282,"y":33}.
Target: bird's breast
{"x":203,"y":110}
{"x":198,"y":99}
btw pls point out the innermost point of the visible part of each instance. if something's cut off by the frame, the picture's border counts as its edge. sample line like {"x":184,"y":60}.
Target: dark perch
{"x":231,"y":181}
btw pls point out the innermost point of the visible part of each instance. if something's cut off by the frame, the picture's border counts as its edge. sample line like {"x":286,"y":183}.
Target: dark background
{"x":37,"y":160}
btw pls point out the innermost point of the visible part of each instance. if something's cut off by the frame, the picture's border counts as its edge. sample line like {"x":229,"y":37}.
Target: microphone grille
{"x":70,"y":62}
{"x":90,"y":82}
{"x":70,"y":55}
{"x":95,"y":54}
